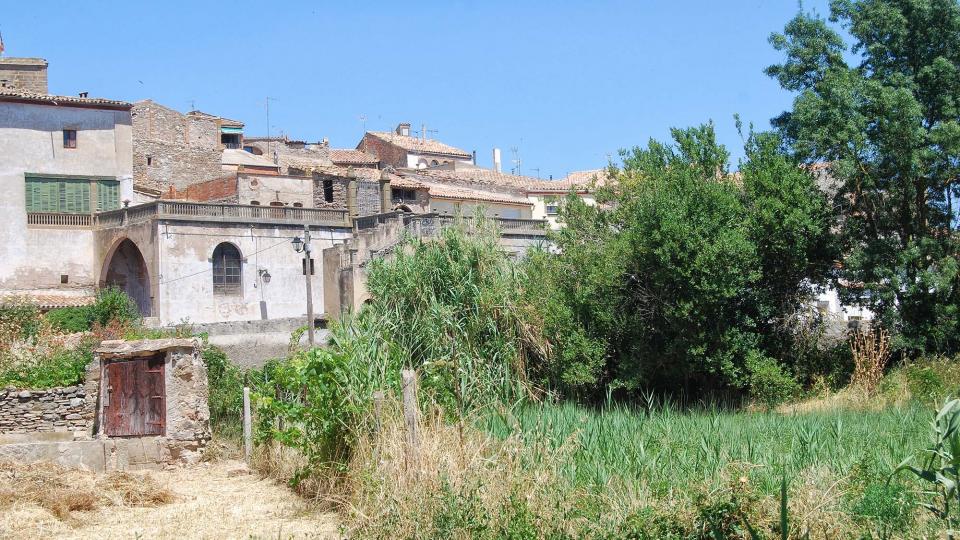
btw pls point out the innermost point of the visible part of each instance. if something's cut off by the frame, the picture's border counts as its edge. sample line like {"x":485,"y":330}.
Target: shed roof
{"x":10,"y":95}
{"x":418,"y":145}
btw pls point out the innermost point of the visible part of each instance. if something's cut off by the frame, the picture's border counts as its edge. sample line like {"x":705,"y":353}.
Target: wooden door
{"x":135,"y":398}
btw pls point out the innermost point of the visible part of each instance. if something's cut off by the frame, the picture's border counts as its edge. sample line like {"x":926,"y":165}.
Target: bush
{"x":70,"y":319}
{"x":113,"y":304}
{"x":19,"y":320}
{"x":225,"y":382}
{"x":64,"y":367}
{"x":769,"y":383}
{"x":887,"y":505}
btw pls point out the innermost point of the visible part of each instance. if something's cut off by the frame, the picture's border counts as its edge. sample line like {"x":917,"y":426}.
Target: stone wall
{"x":368,"y":198}
{"x":174,"y":149}
{"x":339,"y":184}
{"x":42,"y":411}
{"x":28,"y":74}
{"x":220,"y":190}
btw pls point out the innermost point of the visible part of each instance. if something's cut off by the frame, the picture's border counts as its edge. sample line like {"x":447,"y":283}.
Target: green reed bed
{"x":665,"y":450}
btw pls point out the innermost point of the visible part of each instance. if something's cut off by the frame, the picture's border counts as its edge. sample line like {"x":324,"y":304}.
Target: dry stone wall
{"x":40,"y":411}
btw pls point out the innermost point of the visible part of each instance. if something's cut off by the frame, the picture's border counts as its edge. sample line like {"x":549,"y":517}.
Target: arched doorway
{"x":127,"y":270}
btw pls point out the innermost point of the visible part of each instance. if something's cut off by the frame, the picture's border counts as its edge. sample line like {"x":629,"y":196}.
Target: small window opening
{"x":297,"y":205}
{"x":328,"y":190}
{"x":149,"y":161}
{"x":69,"y":138}
{"x":255,"y":203}
{"x":64,"y":278}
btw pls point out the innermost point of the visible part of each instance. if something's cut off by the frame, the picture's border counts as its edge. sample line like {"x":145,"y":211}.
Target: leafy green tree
{"x":884,"y":112}
{"x":686,"y":274}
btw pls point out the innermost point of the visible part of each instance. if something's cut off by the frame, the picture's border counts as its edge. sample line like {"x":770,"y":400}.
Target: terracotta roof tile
{"x":349,"y":156}
{"x":445,"y":191}
{"x":579,"y":180}
{"x":47,"y":300}
{"x":418,"y":145}
{"x":7,"y":94}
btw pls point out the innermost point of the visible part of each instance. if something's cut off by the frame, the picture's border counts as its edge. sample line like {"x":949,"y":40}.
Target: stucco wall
{"x":186,"y":280}
{"x":467,"y":208}
{"x":539,"y":201}
{"x":266,"y":189}
{"x":32,"y":140}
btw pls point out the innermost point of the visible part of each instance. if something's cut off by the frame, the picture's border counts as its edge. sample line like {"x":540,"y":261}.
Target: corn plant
{"x":941,"y":468}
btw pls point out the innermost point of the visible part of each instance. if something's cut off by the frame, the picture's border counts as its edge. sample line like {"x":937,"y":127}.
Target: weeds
{"x":871,"y":352}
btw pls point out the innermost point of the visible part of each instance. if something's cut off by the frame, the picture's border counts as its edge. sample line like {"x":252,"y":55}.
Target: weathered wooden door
{"x":135,"y":398}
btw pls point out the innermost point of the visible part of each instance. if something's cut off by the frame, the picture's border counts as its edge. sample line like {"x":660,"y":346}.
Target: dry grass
{"x":212,"y":500}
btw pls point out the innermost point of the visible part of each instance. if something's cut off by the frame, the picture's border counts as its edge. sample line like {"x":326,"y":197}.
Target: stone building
{"x":62,"y":160}
{"x":399,"y":149}
{"x":142,"y":405}
{"x":175,"y":149}
{"x":24,"y":74}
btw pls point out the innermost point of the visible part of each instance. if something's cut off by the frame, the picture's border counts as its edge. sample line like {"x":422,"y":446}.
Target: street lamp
{"x":297,"y":244}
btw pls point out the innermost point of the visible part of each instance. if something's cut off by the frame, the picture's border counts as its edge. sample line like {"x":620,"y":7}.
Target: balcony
{"x":221,"y":213}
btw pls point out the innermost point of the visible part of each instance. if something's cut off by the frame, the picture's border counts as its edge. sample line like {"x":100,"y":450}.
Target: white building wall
{"x":539,"y":202}
{"x":468,"y":208}
{"x":186,"y":278}
{"x":31,"y":141}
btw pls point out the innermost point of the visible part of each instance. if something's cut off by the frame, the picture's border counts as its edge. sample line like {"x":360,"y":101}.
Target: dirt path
{"x":213,"y":500}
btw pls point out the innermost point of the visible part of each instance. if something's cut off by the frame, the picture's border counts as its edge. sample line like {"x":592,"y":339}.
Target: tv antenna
{"x":517,"y":162}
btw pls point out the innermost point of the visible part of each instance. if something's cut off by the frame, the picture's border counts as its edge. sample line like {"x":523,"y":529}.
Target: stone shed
{"x":143,"y":405}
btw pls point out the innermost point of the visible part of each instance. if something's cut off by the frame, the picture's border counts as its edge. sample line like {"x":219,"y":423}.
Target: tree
{"x":686,"y":272}
{"x":889,"y":128}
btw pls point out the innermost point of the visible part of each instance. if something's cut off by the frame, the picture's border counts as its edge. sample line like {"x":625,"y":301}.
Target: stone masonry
{"x":42,"y":411}
{"x":26,"y":74}
{"x":174,"y":149}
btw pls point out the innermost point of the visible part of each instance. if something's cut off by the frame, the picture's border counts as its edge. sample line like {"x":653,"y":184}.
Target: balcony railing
{"x":233,"y":213}
{"x":44,"y":219}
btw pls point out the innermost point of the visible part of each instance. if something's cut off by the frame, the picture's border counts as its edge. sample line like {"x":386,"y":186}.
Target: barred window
{"x":226,"y":270}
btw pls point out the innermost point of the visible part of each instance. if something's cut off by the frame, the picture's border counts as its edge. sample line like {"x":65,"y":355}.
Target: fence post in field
{"x":247,"y":431}
{"x":411,"y":417}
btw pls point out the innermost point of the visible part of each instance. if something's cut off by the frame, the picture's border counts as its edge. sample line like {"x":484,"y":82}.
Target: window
{"x":69,"y":138}
{"x":404,"y":195}
{"x":149,"y":161}
{"x":552,"y":209}
{"x":297,"y":205}
{"x":226,"y":270}
{"x":230,"y":140}
{"x":255,"y":203}
{"x":328,"y":190}
{"x":70,"y":195}
{"x":276,"y":203}
{"x":434,"y":163}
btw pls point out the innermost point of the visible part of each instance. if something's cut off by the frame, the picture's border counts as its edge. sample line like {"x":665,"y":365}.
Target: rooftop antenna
{"x":517,"y":162}
{"x":363,"y":121}
{"x":267,"y":101}
{"x":538,"y":172}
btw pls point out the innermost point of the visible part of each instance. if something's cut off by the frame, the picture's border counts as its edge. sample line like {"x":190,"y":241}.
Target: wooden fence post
{"x":247,"y":431}
{"x":411,"y":417}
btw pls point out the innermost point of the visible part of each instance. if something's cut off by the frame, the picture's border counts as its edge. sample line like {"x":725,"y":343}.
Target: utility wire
{"x":211,"y":268}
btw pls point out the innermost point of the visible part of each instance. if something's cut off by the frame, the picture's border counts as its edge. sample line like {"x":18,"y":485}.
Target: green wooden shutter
{"x":108,"y":195}
{"x":75,"y":196}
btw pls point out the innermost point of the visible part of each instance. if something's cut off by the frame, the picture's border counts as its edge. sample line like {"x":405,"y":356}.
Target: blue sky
{"x":567,"y":83}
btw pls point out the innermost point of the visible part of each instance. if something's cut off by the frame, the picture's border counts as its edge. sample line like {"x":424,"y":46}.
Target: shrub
{"x":225,"y":381}
{"x":70,"y":319}
{"x":769,"y":383}
{"x":871,"y":351}
{"x":113,"y":304}
{"x":64,"y":367}
{"x":887,"y":505}
{"x":19,"y":320}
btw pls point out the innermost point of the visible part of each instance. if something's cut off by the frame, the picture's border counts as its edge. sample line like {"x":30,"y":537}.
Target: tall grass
{"x":631,"y":447}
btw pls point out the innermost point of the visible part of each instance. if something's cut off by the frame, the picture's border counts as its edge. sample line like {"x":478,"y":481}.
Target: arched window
{"x":434,"y":163}
{"x":226,"y":269}
{"x":297,"y":205}
{"x":255,"y":203}
{"x":276,"y":203}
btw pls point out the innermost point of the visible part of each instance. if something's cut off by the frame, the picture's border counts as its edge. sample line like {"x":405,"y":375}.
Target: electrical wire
{"x":165,"y":282}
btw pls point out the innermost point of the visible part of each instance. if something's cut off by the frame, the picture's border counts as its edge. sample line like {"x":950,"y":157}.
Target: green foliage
{"x":18,"y":320}
{"x":70,"y":319}
{"x":941,"y":468}
{"x":687,"y":274}
{"x":887,"y":506}
{"x":769,"y":383}
{"x":113,"y":304}
{"x":225,"y":383}
{"x":64,"y":367}
{"x":888,"y":126}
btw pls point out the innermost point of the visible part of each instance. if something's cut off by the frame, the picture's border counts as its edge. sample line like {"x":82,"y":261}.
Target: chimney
{"x":84,"y":94}
{"x":474,"y":157}
{"x":496,"y":159}
{"x":403,"y":129}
